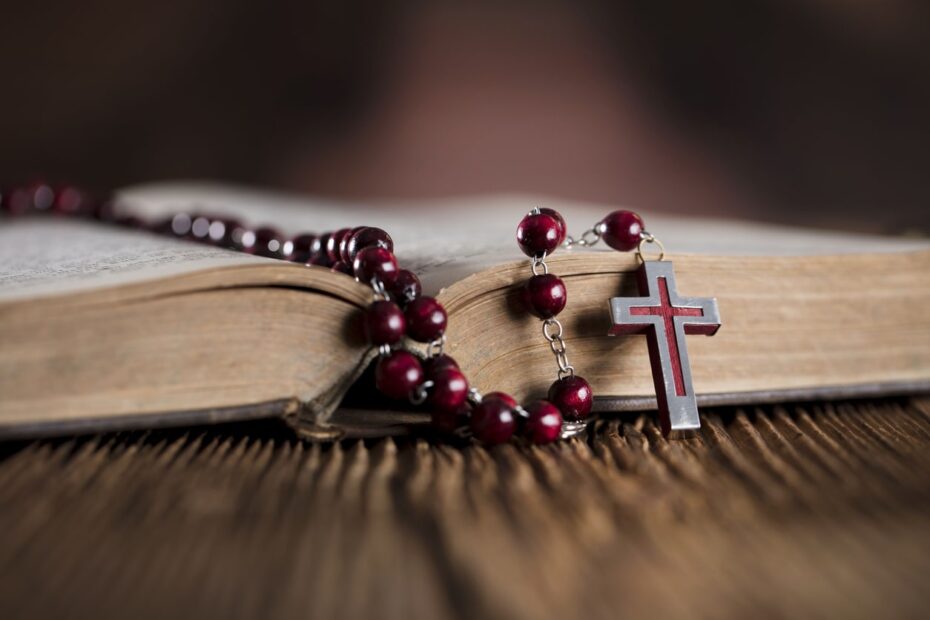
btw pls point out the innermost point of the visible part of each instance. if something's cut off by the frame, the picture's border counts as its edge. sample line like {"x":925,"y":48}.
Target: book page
{"x":46,"y":256}
{"x":446,"y":240}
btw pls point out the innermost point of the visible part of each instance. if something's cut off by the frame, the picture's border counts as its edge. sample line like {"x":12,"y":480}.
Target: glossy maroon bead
{"x":573,"y":396}
{"x":200,"y":227}
{"x":384,"y":323}
{"x":334,"y":242}
{"x":306,"y":246}
{"x":507,"y":398}
{"x":71,"y":201}
{"x":538,"y":234}
{"x":621,"y":230}
{"x":563,"y":227}
{"x":322,"y":258}
{"x":180,"y":225}
{"x":544,"y":425}
{"x":406,"y":287}
{"x":397,"y":374}
{"x":17,"y":201}
{"x":426,"y":319}
{"x":375,"y":262}
{"x":544,"y":295}
{"x":366,"y":237}
{"x":225,"y":232}
{"x":342,"y":267}
{"x":33,"y":198}
{"x":268,"y":242}
{"x":450,"y":421}
{"x":344,"y":245}
{"x":432,"y":365}
{"x":493,"y":421}
{"x":449,"y":391}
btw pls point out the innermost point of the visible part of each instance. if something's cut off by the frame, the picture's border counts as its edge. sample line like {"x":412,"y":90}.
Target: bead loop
{"x":648,"y":238}
{"x":378,"y":287}
{"x":435,"y":348}
{"x":587,"y":239}
{"x":537,"y":262}
{"x":549,"y":323}
{"x":419,"y":394}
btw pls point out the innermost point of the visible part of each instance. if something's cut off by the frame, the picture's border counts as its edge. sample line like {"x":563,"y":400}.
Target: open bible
{"x":105,"y":328}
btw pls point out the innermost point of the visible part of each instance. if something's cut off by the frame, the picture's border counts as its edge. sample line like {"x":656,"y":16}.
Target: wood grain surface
{"x":814,"y":510}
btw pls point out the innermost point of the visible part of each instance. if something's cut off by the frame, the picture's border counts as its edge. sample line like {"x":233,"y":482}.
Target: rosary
{"x":399,"y":311}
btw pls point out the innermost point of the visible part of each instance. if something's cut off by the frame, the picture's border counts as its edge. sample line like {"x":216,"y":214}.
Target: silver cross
{"x":665,"y":317}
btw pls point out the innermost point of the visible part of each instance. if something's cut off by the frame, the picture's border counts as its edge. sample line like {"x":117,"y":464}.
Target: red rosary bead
{"x":306,"y":246}
{"x":397,"y":374}
{"x":200,"y":228}
{"x":621,"y":230}
{"x":507,"y":398}
{"x":366,"y":237}
{"x":545,"y":295}
{"x":344,"y":245}
{"x":539,"y":234}
{"x":544,"y":424}
{"x":322,"y":258}
{"x":30,"y":198}
{"x":449,"y":421}
{"x":268,"y":242}
{"x":335,"y":243}
{"x":426,"y":319}
{"x":432,"y":365}
{"x":342,"y":267}
{"x":573,"y":396}
{"x":563,"y":227}
{"x":384,"y":323}
{"x":375,"y":262}
{"x":449,"y":391}
{"x":406,"y":287}
{"x":71,"y":201}
{"x":493,"y":421}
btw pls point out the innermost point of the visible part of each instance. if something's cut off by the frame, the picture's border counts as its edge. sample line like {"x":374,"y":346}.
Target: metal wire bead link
{"x":378,"y":287}
{"x":572,"y":428}
{"x":419,"y":394}
{"x":435,"y":347}
{"x":474,"y":396}
{"x":384,"y":349}
{"x":539,"y":261}
{"x":587,"y":239}
{"x":558,"y":347}
{"x":648,"y":238}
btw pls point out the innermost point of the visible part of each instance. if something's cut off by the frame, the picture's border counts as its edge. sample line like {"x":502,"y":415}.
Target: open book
{"x":110,"y":328}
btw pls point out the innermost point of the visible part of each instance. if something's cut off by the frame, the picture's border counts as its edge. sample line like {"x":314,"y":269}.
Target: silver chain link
{"x":539,"y":261}
{"x":378,"y":287}
{"x":587,"y":239}
{"x":435,"y":347}
{"x":558,"y":347}
{"x":419,"y":394}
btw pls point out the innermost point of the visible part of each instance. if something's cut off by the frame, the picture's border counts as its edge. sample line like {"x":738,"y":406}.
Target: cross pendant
{"x":665,"y":317}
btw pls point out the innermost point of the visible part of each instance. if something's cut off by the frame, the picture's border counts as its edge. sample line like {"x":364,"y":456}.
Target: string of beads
{"x":398,"y":311}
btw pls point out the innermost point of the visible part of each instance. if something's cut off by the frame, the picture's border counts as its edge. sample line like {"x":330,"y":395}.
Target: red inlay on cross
{"x":667,"y":311}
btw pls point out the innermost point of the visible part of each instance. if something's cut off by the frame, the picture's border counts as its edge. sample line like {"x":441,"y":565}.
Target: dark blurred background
{"x":812,"y":111}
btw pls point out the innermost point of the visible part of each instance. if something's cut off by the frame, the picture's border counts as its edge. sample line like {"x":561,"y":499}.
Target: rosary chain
{"x":587,"y":239}
{"x":556,"y":342}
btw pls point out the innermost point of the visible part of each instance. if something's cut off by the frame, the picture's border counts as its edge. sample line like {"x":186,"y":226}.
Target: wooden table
{"x":811,"y":511}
